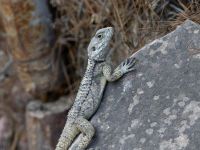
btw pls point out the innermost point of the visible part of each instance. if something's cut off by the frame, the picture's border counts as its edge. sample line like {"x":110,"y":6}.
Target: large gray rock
{"x":158,"y":106}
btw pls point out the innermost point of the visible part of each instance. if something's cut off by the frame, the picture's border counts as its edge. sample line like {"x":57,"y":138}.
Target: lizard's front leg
{"x":124,"y":67}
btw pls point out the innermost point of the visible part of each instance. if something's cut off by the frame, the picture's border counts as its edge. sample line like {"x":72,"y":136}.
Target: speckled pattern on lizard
{"x":98,"y":73}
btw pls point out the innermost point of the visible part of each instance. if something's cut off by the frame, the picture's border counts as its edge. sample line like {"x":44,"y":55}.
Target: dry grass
{"x":136,"y":23}
{"x":191,"y":11}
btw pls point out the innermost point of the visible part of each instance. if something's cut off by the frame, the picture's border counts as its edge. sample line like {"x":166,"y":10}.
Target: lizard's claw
{"x":128,"y":65}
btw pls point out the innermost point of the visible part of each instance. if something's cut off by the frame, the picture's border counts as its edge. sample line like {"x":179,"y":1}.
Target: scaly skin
{"x":90,"y":92}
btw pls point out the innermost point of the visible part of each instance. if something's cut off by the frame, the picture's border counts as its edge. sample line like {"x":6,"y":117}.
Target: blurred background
{"x":43,"y":55}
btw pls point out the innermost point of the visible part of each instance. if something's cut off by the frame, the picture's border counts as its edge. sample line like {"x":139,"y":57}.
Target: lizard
{"x":98,"y":73}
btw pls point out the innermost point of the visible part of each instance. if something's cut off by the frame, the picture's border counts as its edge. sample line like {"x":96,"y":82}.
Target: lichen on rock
{"x":158,"y":106}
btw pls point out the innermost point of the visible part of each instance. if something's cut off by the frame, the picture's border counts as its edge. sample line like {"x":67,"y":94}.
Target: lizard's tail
{"x":68,"y":134}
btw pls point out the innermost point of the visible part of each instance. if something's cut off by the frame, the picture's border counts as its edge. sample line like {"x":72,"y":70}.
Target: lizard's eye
{"x":99,"y":36}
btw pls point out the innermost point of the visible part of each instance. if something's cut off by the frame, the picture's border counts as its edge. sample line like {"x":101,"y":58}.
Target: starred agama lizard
{"x":98,"y":73}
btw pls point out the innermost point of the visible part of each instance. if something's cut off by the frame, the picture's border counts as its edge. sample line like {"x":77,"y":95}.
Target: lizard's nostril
{"x":93,"y":48}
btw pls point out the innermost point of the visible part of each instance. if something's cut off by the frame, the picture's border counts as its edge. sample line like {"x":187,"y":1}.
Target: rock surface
{"x":44,"y":124}
{"x":158,"y":106}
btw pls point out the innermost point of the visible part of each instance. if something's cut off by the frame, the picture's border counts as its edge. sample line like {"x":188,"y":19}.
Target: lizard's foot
{"x":128,"y":65}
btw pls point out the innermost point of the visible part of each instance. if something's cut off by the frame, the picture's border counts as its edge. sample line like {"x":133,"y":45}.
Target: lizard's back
{"x":90,"y":92}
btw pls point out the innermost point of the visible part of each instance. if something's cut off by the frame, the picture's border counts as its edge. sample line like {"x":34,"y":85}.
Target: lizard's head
{"x":99,"y":44}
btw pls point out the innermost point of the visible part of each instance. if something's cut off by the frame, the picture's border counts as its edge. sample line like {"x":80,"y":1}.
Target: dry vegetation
{"x":136,"y":23}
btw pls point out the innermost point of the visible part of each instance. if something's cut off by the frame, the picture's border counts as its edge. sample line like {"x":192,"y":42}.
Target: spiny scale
{"x":85,"y":84}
